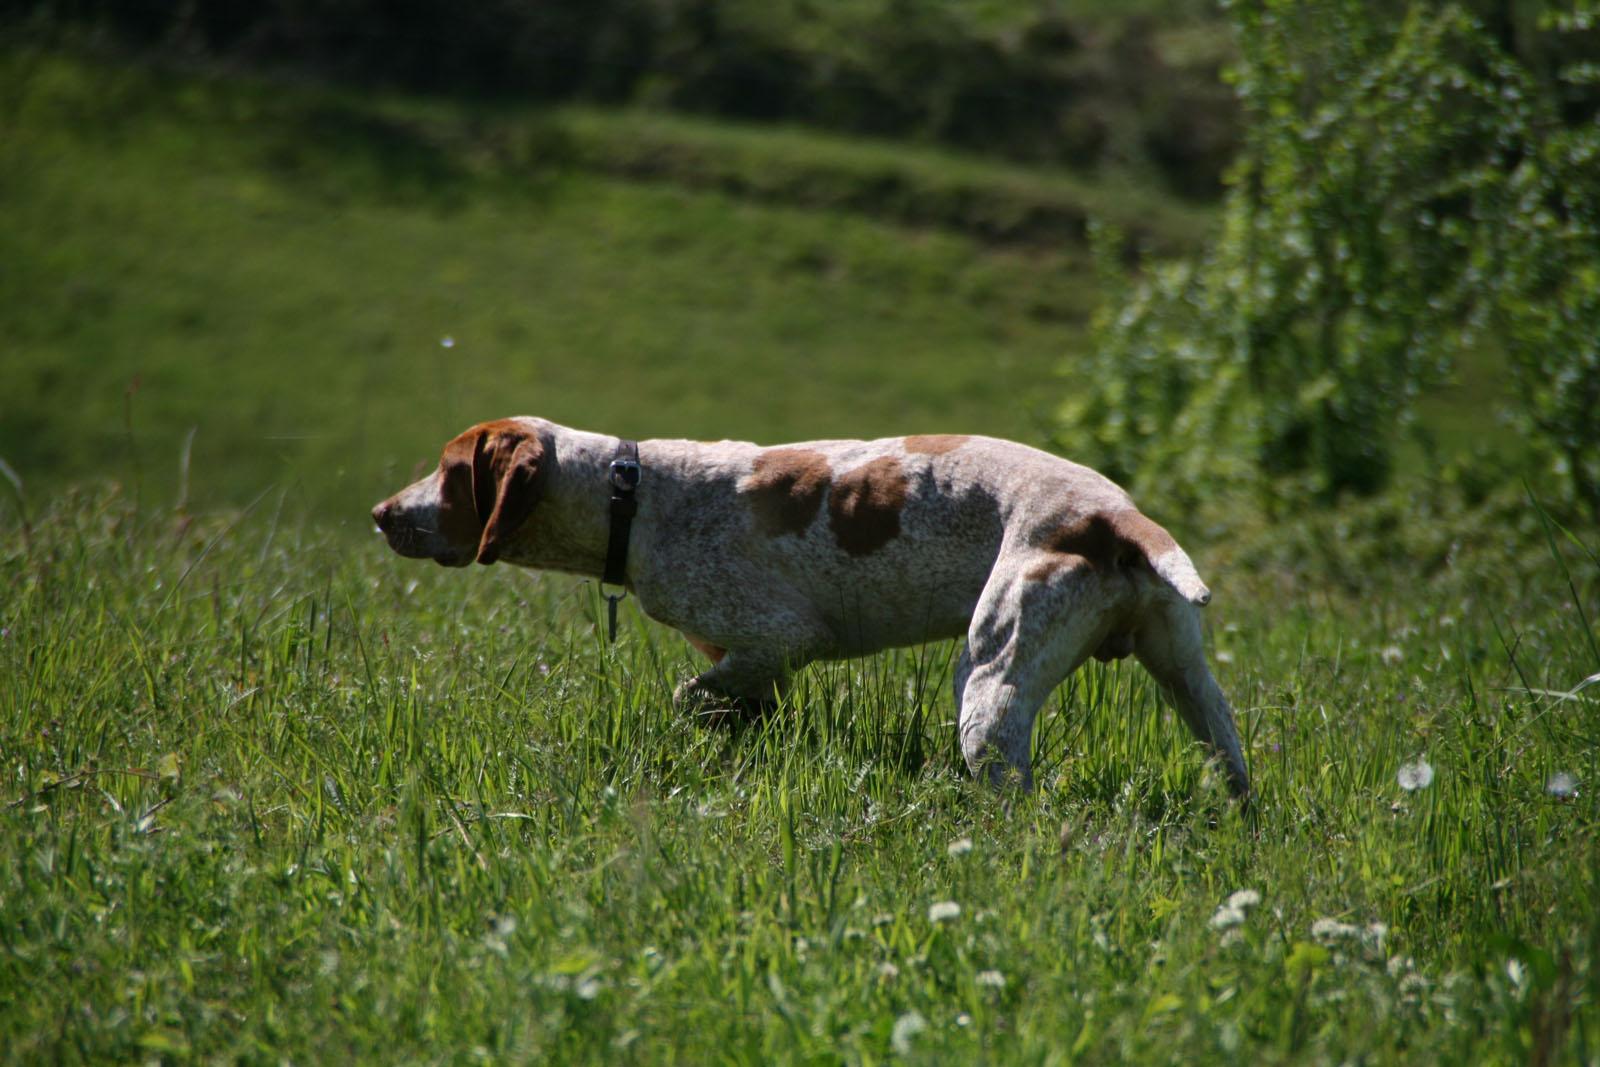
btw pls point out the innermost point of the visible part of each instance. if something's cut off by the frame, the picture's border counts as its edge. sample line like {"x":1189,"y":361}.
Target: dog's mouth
{"x":415,"y":544}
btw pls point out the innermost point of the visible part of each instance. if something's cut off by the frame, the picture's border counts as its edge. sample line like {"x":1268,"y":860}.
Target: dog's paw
{"x":708,"y":707}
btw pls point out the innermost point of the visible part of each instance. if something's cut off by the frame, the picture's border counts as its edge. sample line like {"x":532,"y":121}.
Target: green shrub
{"x":1407,"y":191}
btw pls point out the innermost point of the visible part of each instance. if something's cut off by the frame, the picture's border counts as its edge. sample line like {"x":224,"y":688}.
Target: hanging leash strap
{"x":625,"y":472}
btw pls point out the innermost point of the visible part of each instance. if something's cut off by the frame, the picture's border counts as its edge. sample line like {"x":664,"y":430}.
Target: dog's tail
{"x":1171,"y":563}
{"x":1178,"y":571}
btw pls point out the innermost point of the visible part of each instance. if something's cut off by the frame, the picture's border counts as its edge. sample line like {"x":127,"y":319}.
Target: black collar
{"x":625,"y":472}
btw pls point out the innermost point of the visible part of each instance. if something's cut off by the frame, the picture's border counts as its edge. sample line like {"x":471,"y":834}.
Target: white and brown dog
{"x":768,"y":558}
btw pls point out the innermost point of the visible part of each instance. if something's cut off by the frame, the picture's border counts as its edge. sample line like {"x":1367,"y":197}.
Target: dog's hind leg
{"x":1037,"y":620}
{"x":1169,"y":644}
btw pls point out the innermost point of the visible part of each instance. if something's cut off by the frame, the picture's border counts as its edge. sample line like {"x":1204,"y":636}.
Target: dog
{"x":767,"y":558}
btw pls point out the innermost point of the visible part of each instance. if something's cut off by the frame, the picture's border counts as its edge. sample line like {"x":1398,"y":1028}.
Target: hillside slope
{"x":325,"y":287}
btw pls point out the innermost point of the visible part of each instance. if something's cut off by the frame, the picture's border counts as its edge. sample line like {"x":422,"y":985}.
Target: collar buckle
{"x":624,"y":476}
{"x":625,"y":473}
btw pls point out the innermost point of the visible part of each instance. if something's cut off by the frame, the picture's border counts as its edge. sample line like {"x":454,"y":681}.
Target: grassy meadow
{"x":272,"y":794}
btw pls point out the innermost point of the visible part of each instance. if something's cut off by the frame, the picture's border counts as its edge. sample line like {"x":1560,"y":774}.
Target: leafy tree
{"x":1406,"y":189}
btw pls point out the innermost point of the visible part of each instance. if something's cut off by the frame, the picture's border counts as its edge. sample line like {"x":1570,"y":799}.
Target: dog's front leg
{"x":1169,"y":644}
{"x":743,"y":686}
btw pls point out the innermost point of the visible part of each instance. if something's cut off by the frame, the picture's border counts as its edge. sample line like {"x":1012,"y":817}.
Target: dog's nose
{"x":380,"y":515}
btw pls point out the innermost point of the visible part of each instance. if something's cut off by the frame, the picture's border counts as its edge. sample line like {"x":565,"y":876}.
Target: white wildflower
{"x":944,"y":909}
{"x":960,"y":846}
{"x":1222,"y":655}
{"x":1413,"y":986}
{"x":907,"y":1027}
{"x":888,"y":972}
{"x":1414,"y":776}
{"x":1329,"y":931}
{"x":1244,"y":899}
{"x":447,"y":341}
{"x":1369,"y":939}
{"x":1391,"y":655}
{"x":963,"y":1019}
{"x":1231,"y":912}
{"x":1561,"y":785}
{"x":991,"y":979}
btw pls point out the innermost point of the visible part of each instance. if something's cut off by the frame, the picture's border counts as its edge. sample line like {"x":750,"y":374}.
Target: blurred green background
{"x":294,"y":249}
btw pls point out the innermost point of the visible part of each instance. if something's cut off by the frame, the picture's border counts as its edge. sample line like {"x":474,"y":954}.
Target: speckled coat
{"x":767,"y":558}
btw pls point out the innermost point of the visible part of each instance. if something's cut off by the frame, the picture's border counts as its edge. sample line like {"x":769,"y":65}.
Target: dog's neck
{"x":571,"y":524}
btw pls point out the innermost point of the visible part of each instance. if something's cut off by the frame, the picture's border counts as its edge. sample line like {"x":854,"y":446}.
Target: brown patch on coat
{"x":864,"y":507}
{"x":935,"y":444}
{"x":458,"y":511}
{"x":712,"y":652}
{"x":1106,"y":540}
{"x":1136,"y":529}
{"x":493,"y":476}
{"x":785,"y":489}
{"x":1049,"y":566}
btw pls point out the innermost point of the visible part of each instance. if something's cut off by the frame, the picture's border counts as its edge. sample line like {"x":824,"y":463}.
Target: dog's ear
{"x":507,"y":481}
{"x":459,"y":521}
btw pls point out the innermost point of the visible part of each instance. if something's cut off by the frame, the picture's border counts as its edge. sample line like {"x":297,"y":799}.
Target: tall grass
{"x":274,"y":793}
{"x":268,"y":792}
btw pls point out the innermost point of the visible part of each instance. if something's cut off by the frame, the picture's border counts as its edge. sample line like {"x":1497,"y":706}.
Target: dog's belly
{"x":911,"y":590}
{"x":888,"y":603}
{"x":815,"y":601}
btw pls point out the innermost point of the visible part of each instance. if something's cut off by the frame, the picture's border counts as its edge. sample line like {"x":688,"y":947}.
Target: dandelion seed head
{"x":1244,"y":899}
{"x":1391,"y":655}
{"x":1414,"y":776}
{"x":1561,"y":785}
{"x":906,"y":1028}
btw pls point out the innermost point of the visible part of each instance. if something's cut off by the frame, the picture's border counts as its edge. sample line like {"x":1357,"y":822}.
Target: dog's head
{"x":488,"y":481}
